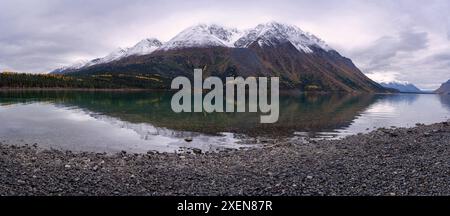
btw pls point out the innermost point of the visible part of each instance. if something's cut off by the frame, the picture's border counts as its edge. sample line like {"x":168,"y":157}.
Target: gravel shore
{"x":395,"y":161}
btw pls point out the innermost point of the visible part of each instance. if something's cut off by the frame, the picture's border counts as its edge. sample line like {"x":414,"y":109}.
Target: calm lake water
{"x":143,"y":121}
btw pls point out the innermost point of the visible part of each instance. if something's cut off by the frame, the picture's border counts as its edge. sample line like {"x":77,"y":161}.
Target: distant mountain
{"x":300,"y":59}
{"x":444,"y":89}
{"x":404,"y":87}
{"x":144,"y":47}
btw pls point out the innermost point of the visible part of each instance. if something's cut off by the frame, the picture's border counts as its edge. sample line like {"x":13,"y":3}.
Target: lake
{"x":143,"y":121}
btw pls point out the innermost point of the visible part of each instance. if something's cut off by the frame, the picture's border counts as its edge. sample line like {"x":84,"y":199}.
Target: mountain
{"x":144,"y":47}
{"x":444,"y":89}
{"x":203,"y":35}
{"x":274,"y":34}
{"x":300,"y":59}
{"x":76,"y":65}
{"x":404,"y":87}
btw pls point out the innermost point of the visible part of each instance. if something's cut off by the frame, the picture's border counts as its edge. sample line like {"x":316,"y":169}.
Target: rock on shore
{"x":400,"y":161}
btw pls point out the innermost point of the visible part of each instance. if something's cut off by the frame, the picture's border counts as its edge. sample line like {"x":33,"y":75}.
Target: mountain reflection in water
{"x":149,"y":116}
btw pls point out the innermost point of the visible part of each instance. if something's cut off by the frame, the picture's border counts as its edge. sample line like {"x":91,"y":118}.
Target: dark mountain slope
{"x":319,"y":71}
{"x":444,"y":89}
{"x":300,"y":59}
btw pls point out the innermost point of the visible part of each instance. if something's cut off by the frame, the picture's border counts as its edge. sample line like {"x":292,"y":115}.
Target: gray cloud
{"x":384,"y":52}
{"x":405,"y":57}
{"x":441,"y":57}
{"x":404,"y":37}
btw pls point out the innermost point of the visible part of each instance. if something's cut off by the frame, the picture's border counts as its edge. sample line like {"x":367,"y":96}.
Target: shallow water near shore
{"x":143,"y":121}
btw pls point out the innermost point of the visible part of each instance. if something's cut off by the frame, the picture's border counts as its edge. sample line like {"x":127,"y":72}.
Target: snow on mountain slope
{"x":78,"y":64}
{"x":273,"y":33}
{"x":144,"y":47}
{"x":269,"y":34}
{"x":116,"y":54}
{"x":203,"y":35}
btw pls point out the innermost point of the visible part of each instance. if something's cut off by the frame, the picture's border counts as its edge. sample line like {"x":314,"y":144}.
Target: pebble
{"x":368,"y":164}
{"x":196,"y":151}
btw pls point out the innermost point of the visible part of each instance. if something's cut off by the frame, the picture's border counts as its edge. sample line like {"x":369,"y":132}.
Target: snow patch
{"x":269,"y":34}
{"x":144,"y":47}
{"x":203,"y":35}
{"x":274,"y":33}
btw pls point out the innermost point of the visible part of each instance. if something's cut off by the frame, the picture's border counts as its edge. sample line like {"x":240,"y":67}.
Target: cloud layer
{"x":406,"y":40}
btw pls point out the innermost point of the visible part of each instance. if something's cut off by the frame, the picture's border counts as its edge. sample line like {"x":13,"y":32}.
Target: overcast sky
{"x":405,"y":40}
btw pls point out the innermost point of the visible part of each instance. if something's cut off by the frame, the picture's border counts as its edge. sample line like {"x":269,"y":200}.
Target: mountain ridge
{"x":404,"y":87}
{"x":203,"y":35}
{"x":213,"y":35}
{"x":300,"y":59}
{"x":444,"y":88}
{"x":143,"y":47}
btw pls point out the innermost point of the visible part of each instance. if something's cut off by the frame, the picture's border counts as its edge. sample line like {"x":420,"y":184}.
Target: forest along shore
{"x":399,"y":161}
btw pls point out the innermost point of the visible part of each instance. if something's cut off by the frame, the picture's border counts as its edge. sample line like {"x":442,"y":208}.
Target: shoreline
{"x":384,"y":162}
{"x":82,"y":89}
{"x":283,"y":92}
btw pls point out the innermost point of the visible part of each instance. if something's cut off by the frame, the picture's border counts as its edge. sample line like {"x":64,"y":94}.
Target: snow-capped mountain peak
{"x":213,"y":35}
{"x":76,"y":65}
{"x":274,"y":33}
{"x":116,"y":54}
{"x":268,"y":34}
{"x":144,"y":47}
{"x":203,"y":35}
